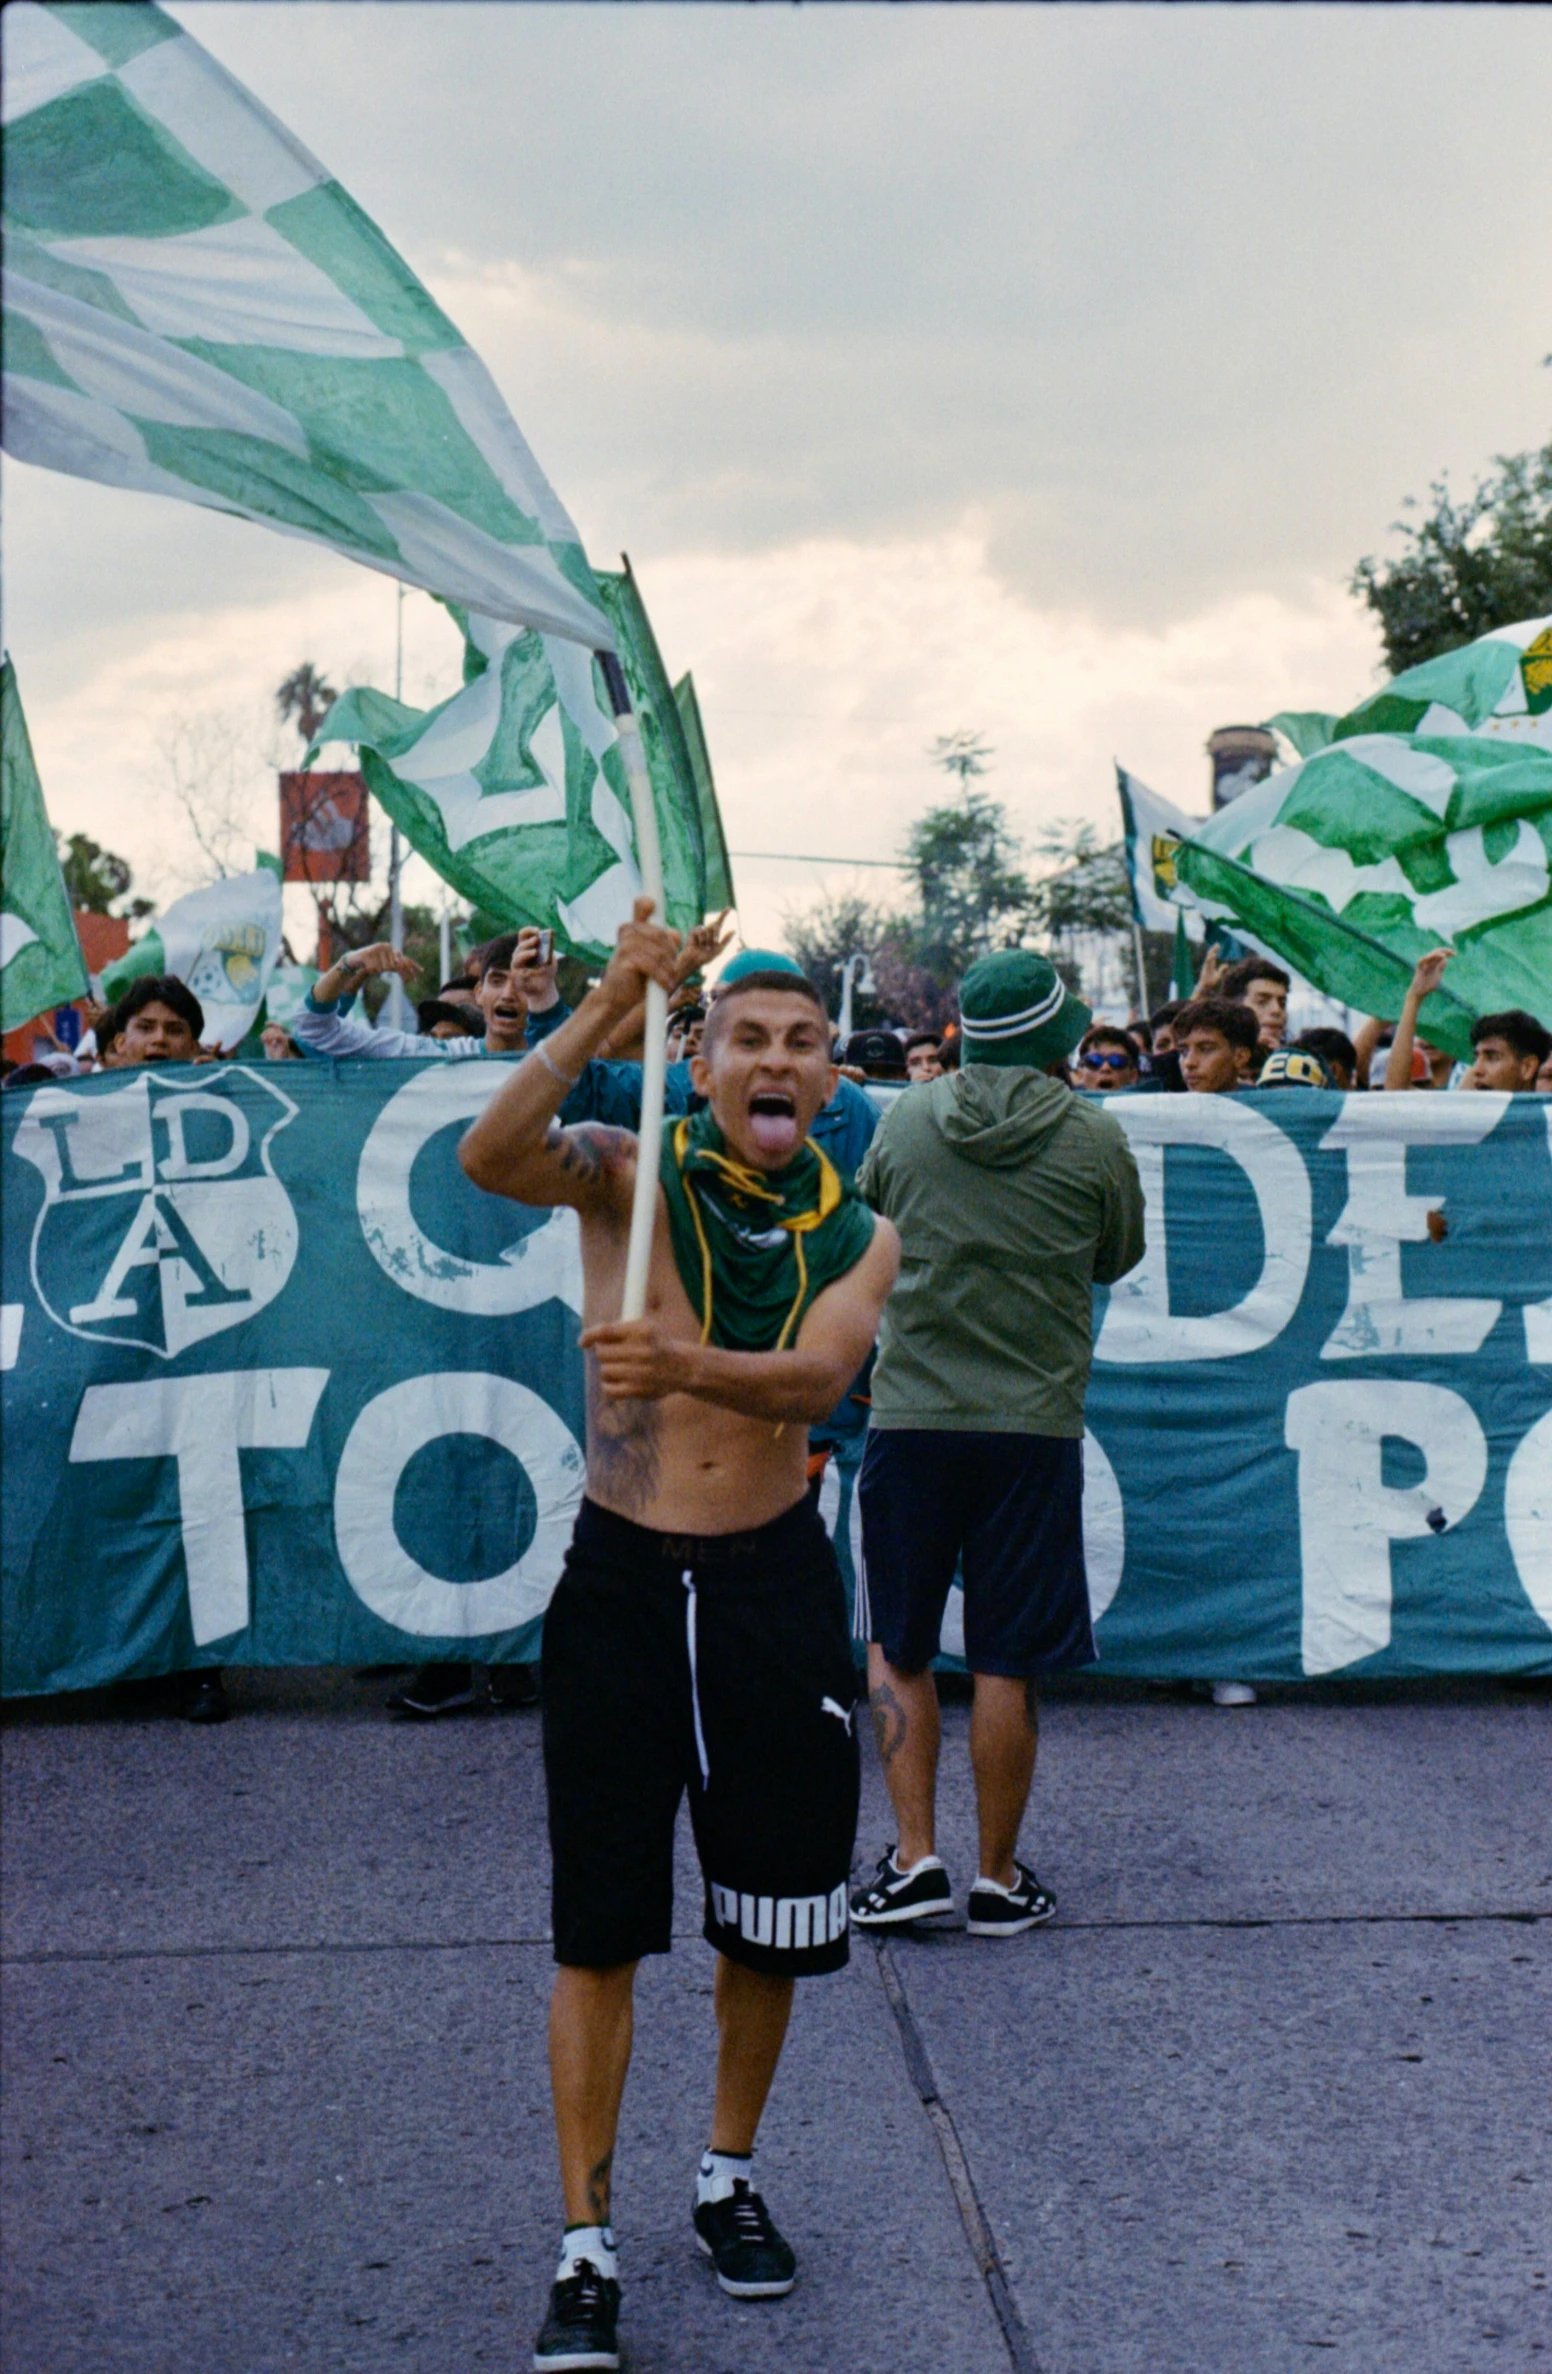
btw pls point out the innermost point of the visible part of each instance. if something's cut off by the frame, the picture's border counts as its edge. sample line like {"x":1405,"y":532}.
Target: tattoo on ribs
{"x":598,"y":2179}
{"x":623,"y":1447}
{"x":888,"y":1722}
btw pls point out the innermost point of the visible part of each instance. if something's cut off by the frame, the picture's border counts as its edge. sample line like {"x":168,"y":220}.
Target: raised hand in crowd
{"x":536,"y":983}
{"x":359,"y":965}
{"x":626,"y":1042}
{"x":1210,"y":979}
{"x":703,"y":945}
{"x":1425,"y":980}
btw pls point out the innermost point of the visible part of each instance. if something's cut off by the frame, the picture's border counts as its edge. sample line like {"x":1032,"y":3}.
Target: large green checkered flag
{"x":194,"y":307}
{"x":1384,"y":844}
{"x":41,"y":964}
{"x":514,"y":789}
{"x":1500,"y":687}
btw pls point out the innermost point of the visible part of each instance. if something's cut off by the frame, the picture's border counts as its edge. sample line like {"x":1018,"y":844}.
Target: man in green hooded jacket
{"x":1013,"y":1198}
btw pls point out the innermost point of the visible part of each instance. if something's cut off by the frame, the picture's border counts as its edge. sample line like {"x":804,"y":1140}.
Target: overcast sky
{"x":1042,"y":371}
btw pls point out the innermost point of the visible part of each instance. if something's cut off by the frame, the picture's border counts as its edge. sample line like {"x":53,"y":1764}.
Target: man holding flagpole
{"x":697,"y":1638}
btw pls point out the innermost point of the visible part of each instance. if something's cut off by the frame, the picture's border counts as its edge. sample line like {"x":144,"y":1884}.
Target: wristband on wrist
{"x":566,"y":1079}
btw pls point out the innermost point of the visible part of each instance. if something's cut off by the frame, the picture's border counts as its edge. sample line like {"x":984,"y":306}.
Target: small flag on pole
{"x":1182,"y":973}
{"x":41,"y":965}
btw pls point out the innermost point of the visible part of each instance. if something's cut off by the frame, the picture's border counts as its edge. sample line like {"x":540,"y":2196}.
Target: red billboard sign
{"x":323,"y":828}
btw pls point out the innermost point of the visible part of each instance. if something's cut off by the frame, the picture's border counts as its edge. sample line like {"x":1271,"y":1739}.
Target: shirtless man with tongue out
{"x":697,"y":1638}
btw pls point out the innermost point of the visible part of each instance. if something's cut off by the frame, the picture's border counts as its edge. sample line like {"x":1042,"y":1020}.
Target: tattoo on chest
{"x":623,"y":1446}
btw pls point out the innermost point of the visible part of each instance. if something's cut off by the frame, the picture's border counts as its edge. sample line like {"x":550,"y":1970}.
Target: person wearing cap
{"x":1014,"y":1196}
{"x":879,"y":1054}
{"x":1293,"y":1067}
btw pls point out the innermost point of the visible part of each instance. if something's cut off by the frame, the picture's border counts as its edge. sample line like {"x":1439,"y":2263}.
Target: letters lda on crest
{"x":162,"y":1221}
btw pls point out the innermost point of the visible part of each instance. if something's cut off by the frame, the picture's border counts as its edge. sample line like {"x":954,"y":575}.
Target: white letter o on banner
{"x":546,"y":1262}
{"x":383,"y":1440}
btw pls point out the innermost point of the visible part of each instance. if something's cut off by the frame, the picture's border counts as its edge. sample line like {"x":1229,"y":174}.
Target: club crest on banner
{"x":162,"y":1222}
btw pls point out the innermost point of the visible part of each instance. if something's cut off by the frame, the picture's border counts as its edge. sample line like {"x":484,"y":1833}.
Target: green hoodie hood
{"x":998,"y":1115}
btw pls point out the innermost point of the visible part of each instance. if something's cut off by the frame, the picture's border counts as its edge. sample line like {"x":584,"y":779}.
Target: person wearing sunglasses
{"x":1106,"y":1060}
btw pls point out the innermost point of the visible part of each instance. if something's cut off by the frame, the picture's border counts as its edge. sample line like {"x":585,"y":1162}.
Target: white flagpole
{"x":654,"y":1054}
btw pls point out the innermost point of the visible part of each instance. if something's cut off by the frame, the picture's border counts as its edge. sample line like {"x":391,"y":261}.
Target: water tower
{"x":1241,"y":755}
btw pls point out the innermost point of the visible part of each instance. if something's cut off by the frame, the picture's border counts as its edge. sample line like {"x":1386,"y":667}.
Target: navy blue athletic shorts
{"x":1008,"y":1509}
{"x":718,"y":1664}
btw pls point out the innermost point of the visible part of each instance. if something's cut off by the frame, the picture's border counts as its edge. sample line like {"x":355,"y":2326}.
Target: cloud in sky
{"x":1043,"y":371}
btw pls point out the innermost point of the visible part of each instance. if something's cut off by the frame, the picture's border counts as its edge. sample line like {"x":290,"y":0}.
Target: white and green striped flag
{"x":41,"y":964}
{"x":514,"y":790}
{"x":1383,"y":844}
{"x":1500,"y":686}
{"x":193,"y":307}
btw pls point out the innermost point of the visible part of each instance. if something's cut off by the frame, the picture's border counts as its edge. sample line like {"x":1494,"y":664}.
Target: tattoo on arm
{"x":598,"y":2180}
{"x":889,"y":1722}
{"x":589,"y":1150}
{"x":622,"y":1446}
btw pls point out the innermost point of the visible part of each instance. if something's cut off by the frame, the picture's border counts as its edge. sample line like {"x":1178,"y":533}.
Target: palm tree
{"x":308,"y":697}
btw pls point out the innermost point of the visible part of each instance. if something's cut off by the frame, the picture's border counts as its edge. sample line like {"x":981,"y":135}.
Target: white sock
{"x":995,"y":1887}
{"x":587,"y":2242}
{"x":718,"y":2172}
{"x":909,"y":1870}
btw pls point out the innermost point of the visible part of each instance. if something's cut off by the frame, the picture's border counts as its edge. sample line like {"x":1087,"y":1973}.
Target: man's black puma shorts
{"x":718,"y":1663}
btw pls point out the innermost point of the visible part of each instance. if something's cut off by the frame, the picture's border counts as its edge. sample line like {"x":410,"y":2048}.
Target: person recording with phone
{"x":513,"y":976}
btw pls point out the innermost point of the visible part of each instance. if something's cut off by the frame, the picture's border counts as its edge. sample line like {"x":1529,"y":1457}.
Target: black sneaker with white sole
{"x":1002,"y":1912}
{"x":752,"y":2260}
{"x":893,"y":1895}
{"x":437,"y":1689}
{"x":580,"y":2334}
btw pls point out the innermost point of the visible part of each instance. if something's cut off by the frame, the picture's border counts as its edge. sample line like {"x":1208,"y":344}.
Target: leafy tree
{"x":822,"y":939}
{"x":961,"y":754}
{"x":1469,"y":566}
{"x":971,"y":893}
{"x":308,"y":697}
{"x":95,"y":878}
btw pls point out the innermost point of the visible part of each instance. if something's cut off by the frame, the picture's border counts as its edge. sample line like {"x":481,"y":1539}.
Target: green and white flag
{"x":514,"y":789}
{"x":285,"y":993}
{"x":1499,"y":686}
{"x":719,"y":892}
{"x":223,"y":942}
{"x":41,"y":965}
{"x":1152,"y":829}
{"x":193,"y":307}
{"x":1382,"y":845}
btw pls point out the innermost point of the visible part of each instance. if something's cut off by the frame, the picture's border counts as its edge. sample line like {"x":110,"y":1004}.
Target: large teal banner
{"x":280,"y":1387}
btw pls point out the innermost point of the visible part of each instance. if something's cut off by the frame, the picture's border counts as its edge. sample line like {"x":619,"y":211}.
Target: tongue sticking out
{"x":774,"y":1130}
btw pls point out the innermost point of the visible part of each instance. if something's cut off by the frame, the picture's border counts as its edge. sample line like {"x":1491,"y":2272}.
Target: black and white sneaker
{"x":1002,"y":1912}
{"x":752,"y":2260}
{"x":581,"y":2332}
{"x":893,"y":1895}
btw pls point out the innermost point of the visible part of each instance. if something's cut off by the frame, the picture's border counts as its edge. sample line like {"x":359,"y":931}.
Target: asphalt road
{"x":1273,"y":2092}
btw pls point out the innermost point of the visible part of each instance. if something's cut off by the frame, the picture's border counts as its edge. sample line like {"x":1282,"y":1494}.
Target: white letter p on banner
{"x":1348,"y":1516}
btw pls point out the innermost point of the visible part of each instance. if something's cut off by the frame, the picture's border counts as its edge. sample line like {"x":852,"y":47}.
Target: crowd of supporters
{"x":1229,"y":1036}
